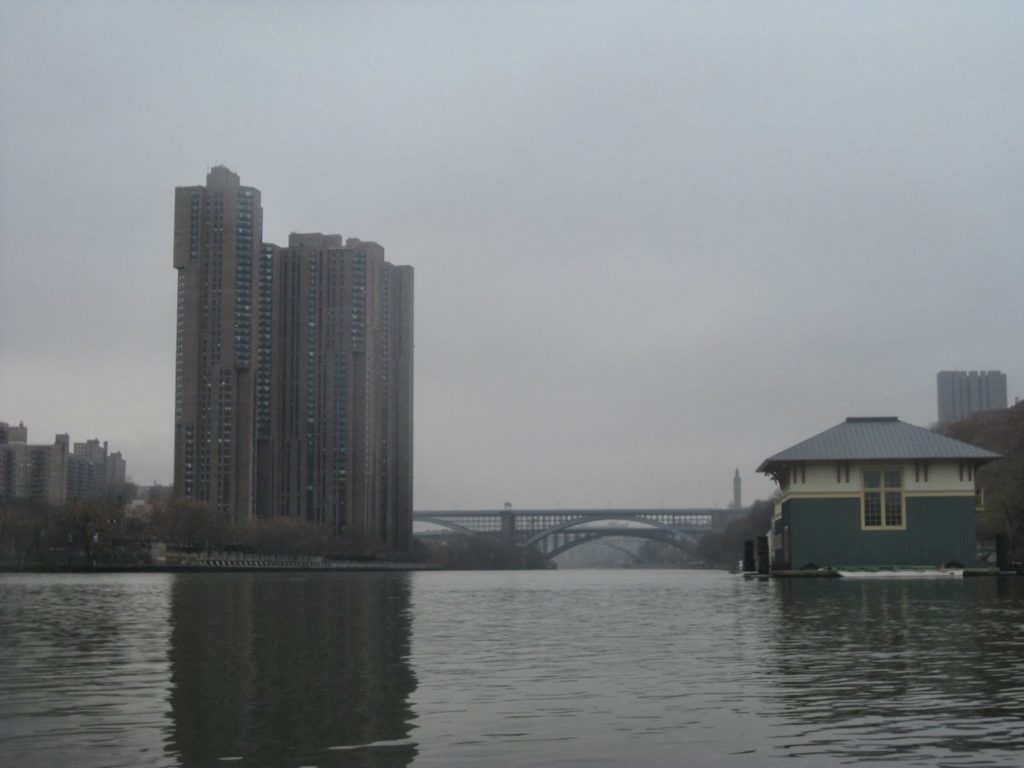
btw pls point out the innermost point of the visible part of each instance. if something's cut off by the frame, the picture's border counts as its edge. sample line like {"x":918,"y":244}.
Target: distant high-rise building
{"x":117,"y":470}
{"x":93,"y":472}
{"x":51,"y":474}
{"x":294,"y":371}
{"x":10,"y":434}
{"x":962,"y":393}
{"x":37,"y":473}
{"x":338,"y":430}
{"x":87,"y":470}
{"x":217,"y":234}
{"x":737,"y":490}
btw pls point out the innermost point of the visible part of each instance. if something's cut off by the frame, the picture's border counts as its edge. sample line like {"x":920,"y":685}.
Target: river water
{"x":534,"y":668}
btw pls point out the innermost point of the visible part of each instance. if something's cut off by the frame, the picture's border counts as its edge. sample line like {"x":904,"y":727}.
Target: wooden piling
{"x":1002,"y":552}
{"x":763,"y":561}
{"x":748,"y":556}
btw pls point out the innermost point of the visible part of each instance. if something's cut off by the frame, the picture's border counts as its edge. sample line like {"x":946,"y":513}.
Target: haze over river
{"x":530,"y":668}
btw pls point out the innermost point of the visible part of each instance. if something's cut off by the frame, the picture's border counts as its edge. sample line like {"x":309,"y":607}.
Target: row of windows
{"x":883,"y":502}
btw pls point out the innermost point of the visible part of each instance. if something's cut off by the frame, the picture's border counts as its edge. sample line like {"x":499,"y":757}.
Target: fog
{"x":653,"y":242}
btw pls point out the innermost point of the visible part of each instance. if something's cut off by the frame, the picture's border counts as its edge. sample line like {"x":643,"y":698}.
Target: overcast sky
{"x":653,"y":242}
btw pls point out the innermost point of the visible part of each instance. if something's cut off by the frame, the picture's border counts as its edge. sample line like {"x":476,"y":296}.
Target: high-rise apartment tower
{"x":294,"y":371}
{"x":217,"y":233}
{"x":962,"y":393}
{"x":335,"y":442}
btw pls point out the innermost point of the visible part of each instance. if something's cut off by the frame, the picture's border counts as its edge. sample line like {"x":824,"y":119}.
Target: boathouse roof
{"x":876,"y":438}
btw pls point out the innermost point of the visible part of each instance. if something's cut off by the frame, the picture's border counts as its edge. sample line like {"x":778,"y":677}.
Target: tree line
{"x":715,"y":549}
{"x":1001,"y":481}
{"x":97,"y":532}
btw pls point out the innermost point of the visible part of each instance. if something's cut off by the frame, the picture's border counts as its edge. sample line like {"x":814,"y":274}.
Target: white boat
{"x":906,"y":573}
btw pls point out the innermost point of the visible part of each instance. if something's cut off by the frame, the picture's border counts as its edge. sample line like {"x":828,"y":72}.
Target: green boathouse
{"x":875,"y":492}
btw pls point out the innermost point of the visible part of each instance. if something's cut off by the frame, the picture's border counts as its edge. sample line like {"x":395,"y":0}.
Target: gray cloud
{"x":652,"y":241}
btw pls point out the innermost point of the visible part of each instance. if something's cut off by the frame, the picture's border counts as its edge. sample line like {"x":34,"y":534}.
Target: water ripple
{"x":592,"y":668}
{"x":720,"y":670}
{"x":83,"y":668}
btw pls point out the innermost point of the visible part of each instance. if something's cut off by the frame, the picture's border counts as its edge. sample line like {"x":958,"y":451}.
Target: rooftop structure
{"x":871,"y":438}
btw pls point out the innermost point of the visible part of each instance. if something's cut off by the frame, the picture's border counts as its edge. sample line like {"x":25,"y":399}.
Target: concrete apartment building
{"x":336,"y":448}
{"x":37,"y":473}
{"x":217,"y":233}
{"x":317,"y":412}
{"x":93,"y":471}
{"x":963,"y":393}
{"x":50,"y":474}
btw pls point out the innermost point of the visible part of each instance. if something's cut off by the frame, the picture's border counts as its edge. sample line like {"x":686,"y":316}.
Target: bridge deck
{"x":533,"y":520}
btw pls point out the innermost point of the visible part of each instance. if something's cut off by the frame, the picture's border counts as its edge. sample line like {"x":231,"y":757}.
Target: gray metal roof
{"x":884,"y":437}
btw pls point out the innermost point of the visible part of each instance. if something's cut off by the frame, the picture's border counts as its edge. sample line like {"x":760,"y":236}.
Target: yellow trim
{"x":939,"y":493}
{"x":813,"y":495}
{"x":857,"y":495}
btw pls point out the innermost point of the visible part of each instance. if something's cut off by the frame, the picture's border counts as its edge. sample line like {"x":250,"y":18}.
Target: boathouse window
{"x":882,"y":500}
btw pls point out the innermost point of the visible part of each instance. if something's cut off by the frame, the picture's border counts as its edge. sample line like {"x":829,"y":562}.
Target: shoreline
{"x":228,"y":567}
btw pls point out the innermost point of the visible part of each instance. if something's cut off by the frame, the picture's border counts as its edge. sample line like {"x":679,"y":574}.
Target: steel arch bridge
{"x":553,"y":532}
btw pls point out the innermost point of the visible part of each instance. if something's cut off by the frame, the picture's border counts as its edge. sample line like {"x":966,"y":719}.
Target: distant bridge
{"x":553,"y":532}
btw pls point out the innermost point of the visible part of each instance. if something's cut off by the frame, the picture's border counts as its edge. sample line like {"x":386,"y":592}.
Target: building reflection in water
{"x":291,"y":668}
{"x":878,"y":669}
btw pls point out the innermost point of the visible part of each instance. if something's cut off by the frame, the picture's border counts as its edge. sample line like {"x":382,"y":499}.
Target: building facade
{"x":53,"y":475}
{"x":314,"y":420}
{"x":94,"y":472}
{"x":36,"y":473}
{"x":964,"y":393}
{"x":217,"y":233}
{"x":336,"y":440}
{"x":875,"y":492}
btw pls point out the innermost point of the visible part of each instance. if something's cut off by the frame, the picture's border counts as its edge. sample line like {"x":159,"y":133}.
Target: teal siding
{"x":827,"y":532}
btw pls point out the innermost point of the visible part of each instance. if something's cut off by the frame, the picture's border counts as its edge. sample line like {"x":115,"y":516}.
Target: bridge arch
{"x":557,"y":530}
{"x":672,"y":533}
{"x":447,"y":524}
{"x":585,"y":537}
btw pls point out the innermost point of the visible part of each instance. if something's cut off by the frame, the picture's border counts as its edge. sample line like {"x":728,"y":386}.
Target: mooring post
{"x":1002,"y":552}
{"x":748,"y":556}
{"x":762,"y":555}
